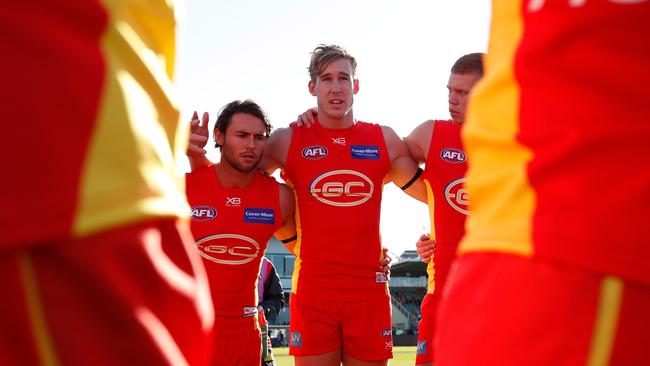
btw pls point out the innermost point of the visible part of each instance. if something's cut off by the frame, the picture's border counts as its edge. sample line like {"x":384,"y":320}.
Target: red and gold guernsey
{"x":444,"y":176}
{"x":337,"y":176}
{"x":105,"y":145}
{"x":558,"y":136}
{"x":232,"y":227}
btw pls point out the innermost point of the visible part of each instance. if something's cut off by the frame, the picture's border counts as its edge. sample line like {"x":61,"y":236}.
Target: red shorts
{"x":509,"y":310}
{"x":361,"y":328}
{"x":243,"y":349}
{"x":137,"y":295}
{"x":426,"y":327}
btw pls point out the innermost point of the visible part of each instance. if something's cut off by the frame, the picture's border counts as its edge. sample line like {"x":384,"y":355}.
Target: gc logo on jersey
{"x":203,"y":213}
{"x":314,"y":152}
{"x":342,"y":188}
{"x":453,"y":156}
{"x":230,"y":249}
{"x":457,"y":196}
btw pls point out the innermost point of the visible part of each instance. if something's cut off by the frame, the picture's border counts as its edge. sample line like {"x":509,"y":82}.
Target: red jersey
{"x":444,"y":176}
{"x":93,"y":79}
{"x":558,"y":136}
{"x":337,"y":176}
{"x":232,"y":227}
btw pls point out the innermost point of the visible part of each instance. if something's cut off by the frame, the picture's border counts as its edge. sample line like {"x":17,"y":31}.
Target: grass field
{"x":402,"y":356}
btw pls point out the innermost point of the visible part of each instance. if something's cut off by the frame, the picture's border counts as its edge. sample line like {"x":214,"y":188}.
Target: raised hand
{"x":199,"y":135}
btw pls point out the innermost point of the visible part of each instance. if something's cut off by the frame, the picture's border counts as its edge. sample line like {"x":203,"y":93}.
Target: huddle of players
{"x":553,"y":269}
{"x":233,"y":202}
{"x":530,"y":238}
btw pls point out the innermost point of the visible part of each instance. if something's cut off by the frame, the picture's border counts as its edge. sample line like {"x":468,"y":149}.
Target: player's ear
{"x":356,"y":86}
{"x":312,"y":87}
{"x":219,"y":137}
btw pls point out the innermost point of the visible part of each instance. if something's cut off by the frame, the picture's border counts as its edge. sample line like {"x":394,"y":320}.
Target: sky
{"x":260,"y":49}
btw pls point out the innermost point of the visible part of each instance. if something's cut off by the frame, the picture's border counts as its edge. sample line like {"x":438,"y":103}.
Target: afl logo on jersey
{"x":452,"y":155}
{"x":457,"y":196}
{"x":342,"y":188}
{"x":230,"y":249}
{"x":203,"y":213}
{"x":314,"y":152}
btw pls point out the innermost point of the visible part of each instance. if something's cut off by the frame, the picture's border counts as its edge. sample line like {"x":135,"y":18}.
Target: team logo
{"x":381,"y":277}
{"x":259,"y":215}
{"x":457,"y":196}
{"x":339,"y":140}
{"x":370,"y":152}
{"x":203,"y":213}
{"x":314,"y":152}
{"x":386,"y":333}
{"x":249,"y":311}
{"x":295,"y":339}
{"x":454,"y":156}
{"x":230,"y":249}
{"x":421,"y":349}
{"x":342,"y":188}
{"x":233,"y":201}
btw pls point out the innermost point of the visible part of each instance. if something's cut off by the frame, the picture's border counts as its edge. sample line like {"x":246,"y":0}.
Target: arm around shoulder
{"x":419,"y":141}
{"x":276,"y":150}
{"x":404,"y":171}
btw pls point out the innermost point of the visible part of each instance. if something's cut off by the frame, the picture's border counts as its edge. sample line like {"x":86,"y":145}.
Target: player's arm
{"x":199,"y":136}
{"x":287,"y":233}
{"x":404,"y":172}
{"x":419,"y":141}
{"x":276,"y":150}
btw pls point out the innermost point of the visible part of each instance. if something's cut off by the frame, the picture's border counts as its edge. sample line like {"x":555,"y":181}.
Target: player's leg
{"x":351,"y":361}
{"x":132,"y":295}
{"x":424,"y":351}
{"x":314,"y":332}
{"x":367,"y":331}
{"x":332,"y":358}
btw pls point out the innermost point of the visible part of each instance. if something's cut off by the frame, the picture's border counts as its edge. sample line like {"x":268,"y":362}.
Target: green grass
{"x":402,"y":356}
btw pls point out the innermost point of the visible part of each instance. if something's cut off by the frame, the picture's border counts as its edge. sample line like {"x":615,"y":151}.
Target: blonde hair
{"x":324,"y":55}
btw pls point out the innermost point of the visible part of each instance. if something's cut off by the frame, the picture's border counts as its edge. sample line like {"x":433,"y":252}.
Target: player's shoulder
{"x":282,"y":133}
{"x":389,"y":134}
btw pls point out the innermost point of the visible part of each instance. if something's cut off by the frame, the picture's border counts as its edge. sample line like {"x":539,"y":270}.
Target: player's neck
{"x":346,"y":121}
{"x":229,"y":177}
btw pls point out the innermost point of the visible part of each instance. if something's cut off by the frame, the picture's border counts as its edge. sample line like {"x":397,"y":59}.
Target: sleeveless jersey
{"x":444,"y":176}
{"x":558,"y":136}
{"x":103,"y":132}
{"x":231,"y":227}
{"x":337,"y":176}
